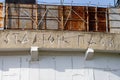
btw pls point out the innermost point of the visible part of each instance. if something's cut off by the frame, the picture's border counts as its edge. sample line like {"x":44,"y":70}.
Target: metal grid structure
{"x":21,"y":16}
{"x":58,"y":17}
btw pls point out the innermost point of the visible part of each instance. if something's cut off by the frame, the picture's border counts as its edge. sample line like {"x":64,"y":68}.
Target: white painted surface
{"x":115,"y":24}
{"x":60,"y":67}
{"x":11,"y":68}
{"x":114,"y":10}
{"x":114,"y":16}
{"x":114,"y":20}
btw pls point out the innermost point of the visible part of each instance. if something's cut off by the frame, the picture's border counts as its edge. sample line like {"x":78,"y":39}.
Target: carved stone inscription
{"x":60,"y":40}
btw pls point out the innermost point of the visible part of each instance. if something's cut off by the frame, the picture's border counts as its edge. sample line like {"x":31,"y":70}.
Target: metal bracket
{"x":89,"y":54}
{"x":34,"y":54}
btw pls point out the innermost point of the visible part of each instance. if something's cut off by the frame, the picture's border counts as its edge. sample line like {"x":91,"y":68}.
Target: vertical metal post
{"x":6,"y":14}
{"x":96,"y":17}
{"x":61,"y":2}
{"x":3,"y":15}
{"x":107,"y":19}
{"x":60,"y":11}
{"x":45,"y":27}
{"x":32,"y":16}
{"x":88,"y":15}
{"x":87,"y":18}
{"x":36,"y":14}
{"x":71,"y":15}
{"x":36,"y":17}
{"x":18,"y":8}
{"x":70,"y":18}
{"x":114,"y":2}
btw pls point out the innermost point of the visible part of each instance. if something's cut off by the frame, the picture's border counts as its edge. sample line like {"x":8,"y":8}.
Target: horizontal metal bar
{"x":13,"y":28}
{"x":22,"y":7}
{"x":33,"y":8}
{"x":21,"y":18}
{"x":97,"y":11}
{"x":114,"y":13}
{"x":114,"y":20}
{"x":115,"y":27}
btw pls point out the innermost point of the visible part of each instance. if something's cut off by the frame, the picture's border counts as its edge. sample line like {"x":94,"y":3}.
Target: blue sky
{"x":83,"y":2}
{"x":79,"y":2}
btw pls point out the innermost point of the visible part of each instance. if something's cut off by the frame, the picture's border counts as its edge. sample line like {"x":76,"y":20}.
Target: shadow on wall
{"x":105,"y":65}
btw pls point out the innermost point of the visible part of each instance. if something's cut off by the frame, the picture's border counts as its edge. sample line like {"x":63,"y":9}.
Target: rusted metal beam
{"x":5,"y":21}
{"x":60,"y":12}
{"x":107,"y":21}
{"x":84,"y":19}
{"x":32,"y":16}
{"x":18,"y":15}
{"x":96,"y":19}
{"x":71,"y":25}
{"x":36,"y":17}
{"x":87,"y":18}
{"x":45,"y":26}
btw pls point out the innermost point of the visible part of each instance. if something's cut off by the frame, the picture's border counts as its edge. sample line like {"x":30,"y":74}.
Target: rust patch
{"x":1,"y":15}
{"x":102,"y":26}
{"x":101,"y":19}
{"x":1,"y":25}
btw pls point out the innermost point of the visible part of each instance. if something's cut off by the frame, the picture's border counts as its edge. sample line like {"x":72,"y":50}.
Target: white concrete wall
{"x":60,"y":67}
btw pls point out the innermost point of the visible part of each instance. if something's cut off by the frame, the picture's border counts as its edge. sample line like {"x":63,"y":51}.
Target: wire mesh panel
{"x":27,"y":16}
{"x":21,"y":16}
{"x":48,"y":17}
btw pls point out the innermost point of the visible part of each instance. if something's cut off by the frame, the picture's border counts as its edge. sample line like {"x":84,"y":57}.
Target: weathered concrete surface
{"x":59,"y":39}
